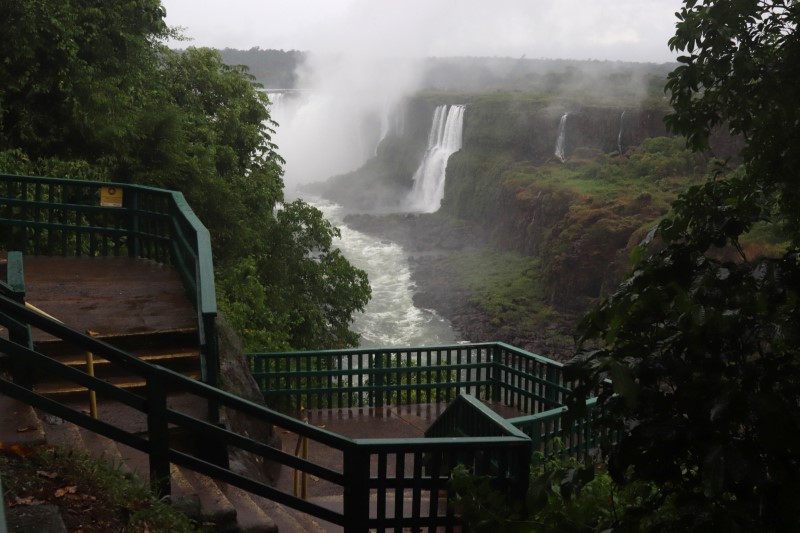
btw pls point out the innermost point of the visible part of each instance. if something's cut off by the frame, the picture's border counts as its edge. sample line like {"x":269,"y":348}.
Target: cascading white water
{"x":392,"y":122}
{"x":444,"y":139}
{"x":390,"y":318}
{"x":619,"y":135}
{"x":561,"y":140}
{"x":275,"y":101}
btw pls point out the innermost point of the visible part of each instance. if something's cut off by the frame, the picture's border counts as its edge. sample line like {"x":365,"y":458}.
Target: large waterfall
{"x":391,"y":318}
{"x":561,"y":140}
{"x":444,"y":139}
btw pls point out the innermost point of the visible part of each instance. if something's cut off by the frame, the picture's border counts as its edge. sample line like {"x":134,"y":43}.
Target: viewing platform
{"x":111,"y":296}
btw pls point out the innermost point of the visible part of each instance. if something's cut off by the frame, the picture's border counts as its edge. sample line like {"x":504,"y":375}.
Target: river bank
{"x":430,"y":241}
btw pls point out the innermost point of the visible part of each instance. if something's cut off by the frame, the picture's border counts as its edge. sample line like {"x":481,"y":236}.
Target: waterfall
{"x":275,"y":100}
{"x":444,"y":139}
{"x":390,"y":318}
{"x":619,"y":135}
{"x":392,"y":122}
{"x":562,"y":137}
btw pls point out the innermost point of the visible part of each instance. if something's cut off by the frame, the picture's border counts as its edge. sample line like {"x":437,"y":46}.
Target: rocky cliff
{"x":506,"y":192}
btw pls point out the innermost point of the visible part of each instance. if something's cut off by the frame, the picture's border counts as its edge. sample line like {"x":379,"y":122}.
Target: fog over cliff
{"x":366,"y":57}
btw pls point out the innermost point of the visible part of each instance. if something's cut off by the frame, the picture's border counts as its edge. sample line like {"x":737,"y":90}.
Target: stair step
{"x":250,"y":518}
{"x":216,"y":506}
{"x":61,"y":389}
{"x":19,"y":423}
{"x":179,"y":360}
{"x":153,"y":356}
{"x":183,"y":496}
{"x":148,"y":340}
{"x":216,"y":510}
{"x":105,"y":449}
{"x":288,"y":519}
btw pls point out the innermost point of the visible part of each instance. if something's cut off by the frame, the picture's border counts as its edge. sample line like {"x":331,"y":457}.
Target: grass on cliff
{"x":506,"y":286}
{"x":661,"y":167}
{"x":92,"y":496}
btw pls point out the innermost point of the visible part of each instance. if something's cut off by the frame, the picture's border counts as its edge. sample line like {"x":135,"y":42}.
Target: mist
{"x":364,"y":60}
{"x":344,"y":104}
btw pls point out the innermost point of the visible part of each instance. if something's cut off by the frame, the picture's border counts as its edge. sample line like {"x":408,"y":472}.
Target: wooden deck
{"x":113,"y":296}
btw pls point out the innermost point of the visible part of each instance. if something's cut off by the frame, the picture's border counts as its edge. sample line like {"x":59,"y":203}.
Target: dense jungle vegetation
{"x":91,"y":92}
{"x":700,"y":341}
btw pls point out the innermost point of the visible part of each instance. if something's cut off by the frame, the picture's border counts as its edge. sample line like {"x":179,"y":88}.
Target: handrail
{"x":59,"y":216}
{"x":530,"y":384}
{"x":427,"y":460}
{"x":376,"y":377}
{"x":3,"y":523}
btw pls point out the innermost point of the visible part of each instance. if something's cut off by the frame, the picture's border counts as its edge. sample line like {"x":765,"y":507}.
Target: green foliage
{"x":297,"y":286}
{"x":117,"y":501}
{"x":90,"y":92}
{"x":506,"y":286}
{"x":563,"y":496}
{"x":702,"y":340}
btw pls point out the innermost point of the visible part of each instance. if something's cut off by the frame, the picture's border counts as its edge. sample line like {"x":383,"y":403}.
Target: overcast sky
{"x":627,"y":30}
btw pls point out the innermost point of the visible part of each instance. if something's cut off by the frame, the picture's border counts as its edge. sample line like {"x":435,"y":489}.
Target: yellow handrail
{"x":89,"y":359}
{"x":90,"y":371}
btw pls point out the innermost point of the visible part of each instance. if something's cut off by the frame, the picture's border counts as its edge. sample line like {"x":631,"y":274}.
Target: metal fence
{"x":63,"y":217}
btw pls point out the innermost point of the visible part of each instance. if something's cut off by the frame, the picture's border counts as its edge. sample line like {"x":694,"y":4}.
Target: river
{"x":390,"y":318}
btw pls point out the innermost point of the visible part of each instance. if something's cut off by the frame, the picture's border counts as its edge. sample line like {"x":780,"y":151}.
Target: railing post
{"x":379,"y":379}
{"x":134,"y":244}
{"x":356,"y":491}
{"x":495,"y":373}
{"x":22,"y":372}
{"x":158,"y":434}
{"x":3,"y":523}
{"x":551,"y":393}
{"x":209,"y":361}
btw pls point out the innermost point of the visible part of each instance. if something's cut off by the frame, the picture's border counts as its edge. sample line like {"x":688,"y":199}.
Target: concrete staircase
{"x":174,"y":349}
{"x":215,"y":505}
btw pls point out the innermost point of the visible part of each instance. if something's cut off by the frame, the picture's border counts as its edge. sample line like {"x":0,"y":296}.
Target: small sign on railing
{"x":110,"y":197}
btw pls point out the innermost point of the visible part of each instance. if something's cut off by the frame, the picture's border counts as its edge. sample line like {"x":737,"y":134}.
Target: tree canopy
{"x":701,"y":341}
{"x":90,"y":91}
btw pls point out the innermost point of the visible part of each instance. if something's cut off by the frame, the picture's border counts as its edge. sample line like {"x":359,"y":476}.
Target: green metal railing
{"x":494,"y":373}
{"x":406,"y":480}
{"x":386,"y":483}
{"x":3,"y":524}
{"x":62,"y":217}
{"x":401,"y":376}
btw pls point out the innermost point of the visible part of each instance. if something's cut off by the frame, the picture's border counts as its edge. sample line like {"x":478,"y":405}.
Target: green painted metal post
{"x":134,"y":244}
{"x":158,"y":434}
{"x":356,"y":491}
{"x":552,"y":394}
{"x":3,"y":524}
{"x":378,"y":366}
{"x":209,"y":362}
{"x":495,"y":373}
{"x":22,"y":372}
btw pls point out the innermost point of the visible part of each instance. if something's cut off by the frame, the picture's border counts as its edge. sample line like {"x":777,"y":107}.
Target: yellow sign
{"x":110,"y":197}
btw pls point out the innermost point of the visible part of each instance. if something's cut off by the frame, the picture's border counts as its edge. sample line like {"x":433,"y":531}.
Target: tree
{"x":701,"y":341}
{"x":90,"y":91}
{"x":297,"y":291}
{"x":74,"y":78}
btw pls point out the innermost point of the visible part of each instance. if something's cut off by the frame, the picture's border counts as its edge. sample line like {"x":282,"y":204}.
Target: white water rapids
{"x":390,"y":318}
